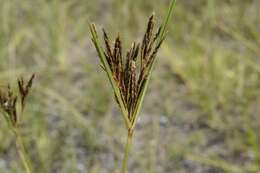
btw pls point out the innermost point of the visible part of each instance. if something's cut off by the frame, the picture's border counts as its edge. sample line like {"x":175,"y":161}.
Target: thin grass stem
{"x":127,"y":150}
{"x":22,"y":152}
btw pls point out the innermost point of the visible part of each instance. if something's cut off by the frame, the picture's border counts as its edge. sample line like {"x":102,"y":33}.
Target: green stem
{"x":22,"y":152}
{"x":127,"y":150}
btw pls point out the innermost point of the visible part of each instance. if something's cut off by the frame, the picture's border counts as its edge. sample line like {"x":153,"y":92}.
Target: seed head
{"x":8,"y":99}
{"x":129,"y":72}
{"x":24,"y":88}
{"x":8,"y":104}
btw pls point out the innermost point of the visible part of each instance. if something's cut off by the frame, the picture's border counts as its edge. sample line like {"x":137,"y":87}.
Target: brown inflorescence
{"x":129,"y":75}
{"x":8,"y":104}
{"x":8,"y":100}
{"x":24,"y":88}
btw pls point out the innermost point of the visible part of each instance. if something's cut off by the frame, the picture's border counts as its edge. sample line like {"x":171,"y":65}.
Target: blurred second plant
{"x":12,"y":113}
{"x":129,"y":75}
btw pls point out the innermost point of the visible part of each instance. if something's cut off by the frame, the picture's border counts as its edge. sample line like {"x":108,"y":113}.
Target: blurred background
{"x":201,"y":113}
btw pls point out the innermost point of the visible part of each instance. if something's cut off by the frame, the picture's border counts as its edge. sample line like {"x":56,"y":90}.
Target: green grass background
{"x":202,"y":110}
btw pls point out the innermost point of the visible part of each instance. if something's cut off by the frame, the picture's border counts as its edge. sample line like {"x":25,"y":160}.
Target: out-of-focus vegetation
{"x":201,"y":113}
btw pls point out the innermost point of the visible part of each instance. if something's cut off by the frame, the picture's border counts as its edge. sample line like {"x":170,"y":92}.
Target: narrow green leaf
{"x":167,"y":19}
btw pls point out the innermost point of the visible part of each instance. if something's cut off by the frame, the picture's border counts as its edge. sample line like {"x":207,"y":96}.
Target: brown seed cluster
{"x":8,"y":99}
{"x":24,"y":88}
{"x":8,"y":104}
{"x":129,"y":72}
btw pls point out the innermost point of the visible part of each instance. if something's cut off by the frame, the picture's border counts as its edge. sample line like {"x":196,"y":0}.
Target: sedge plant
{"x":129,"y":75}
{"x":12,"y":112}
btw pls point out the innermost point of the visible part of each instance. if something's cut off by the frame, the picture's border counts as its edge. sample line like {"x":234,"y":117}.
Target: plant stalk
{"x":127,"y":150}
{"x":22,"y":152}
